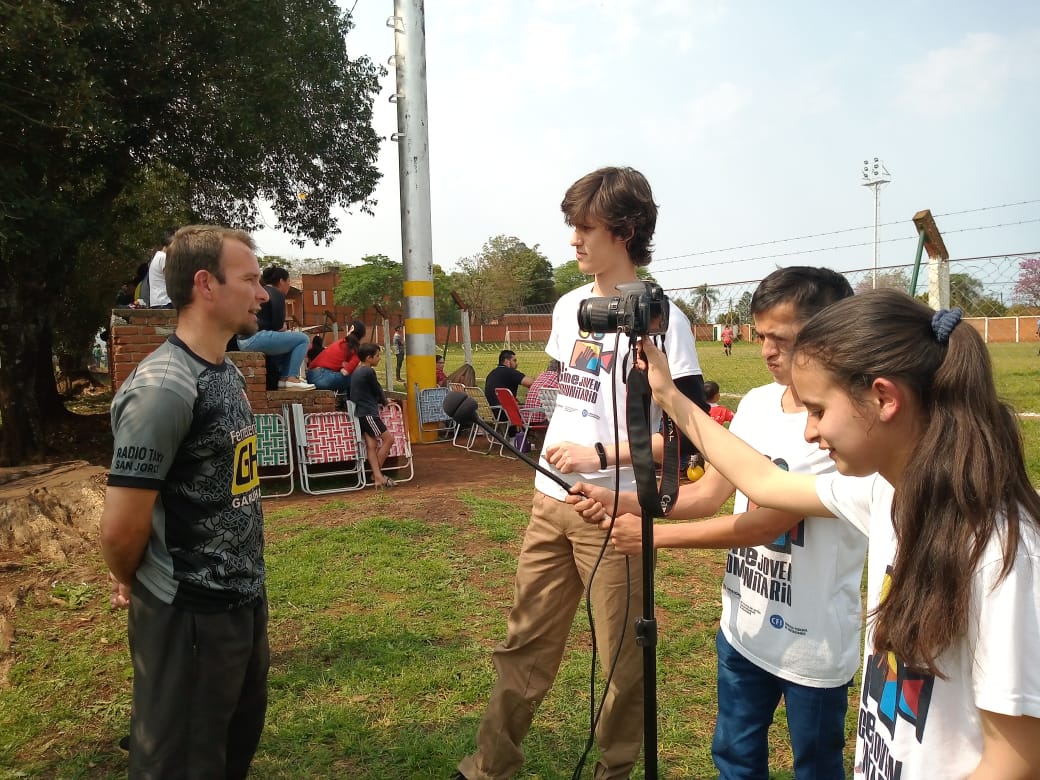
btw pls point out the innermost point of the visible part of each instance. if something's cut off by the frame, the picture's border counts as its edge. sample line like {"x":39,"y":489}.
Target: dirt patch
{"x":50,"y":516}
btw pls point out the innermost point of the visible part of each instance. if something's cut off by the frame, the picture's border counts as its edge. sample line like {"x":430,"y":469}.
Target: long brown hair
{"x":967,"y":470}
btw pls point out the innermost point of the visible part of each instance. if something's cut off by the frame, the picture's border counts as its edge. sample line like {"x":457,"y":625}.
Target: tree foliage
{"x":504,"y":276}
{"x":108,"y":104}
{"x":703,"y":299}
{"x":1027,"y":286}
{"x":377,"y":283}
{"x":897,"y":279}
{"x":568,"y":277}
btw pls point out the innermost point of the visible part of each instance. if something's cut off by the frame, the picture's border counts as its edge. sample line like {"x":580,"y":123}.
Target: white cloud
{"x":972,"y":76}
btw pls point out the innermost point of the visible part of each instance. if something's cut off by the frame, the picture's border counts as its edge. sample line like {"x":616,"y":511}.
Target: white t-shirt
{"x":792,"y":607}
{"x":157,"y":281}
{"x":913,"y":726}
{"x":584,"y":408}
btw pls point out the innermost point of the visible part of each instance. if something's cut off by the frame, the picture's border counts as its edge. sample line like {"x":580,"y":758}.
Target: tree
{"x":893,"y":280}
{"x":445,"y":311}
{"x":505,"y":276}
{"x":704,"y":298}
{"x":686,"y":308}
{"x":378,"y":283}
{"x":98,"y":95}
{"x":1027,"y":287}
{"x":568,"y":277}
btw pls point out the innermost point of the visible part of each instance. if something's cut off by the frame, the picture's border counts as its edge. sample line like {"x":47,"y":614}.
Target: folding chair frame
{"x":547,"y":400}
{"x":485,"y":413}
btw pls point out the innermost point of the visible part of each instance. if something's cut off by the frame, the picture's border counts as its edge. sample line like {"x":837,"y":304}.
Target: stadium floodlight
{"x":874,"y":175}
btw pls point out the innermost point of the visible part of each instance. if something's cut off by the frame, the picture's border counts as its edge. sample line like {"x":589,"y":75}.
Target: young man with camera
{"x":791,"y":618}
{"x":613,"y":215}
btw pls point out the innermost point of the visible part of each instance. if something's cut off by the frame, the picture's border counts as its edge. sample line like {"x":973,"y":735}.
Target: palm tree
{"x":704,"y":298}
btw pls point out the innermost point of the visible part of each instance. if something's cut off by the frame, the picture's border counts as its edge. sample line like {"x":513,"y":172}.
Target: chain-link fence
{"x":997,"y":287}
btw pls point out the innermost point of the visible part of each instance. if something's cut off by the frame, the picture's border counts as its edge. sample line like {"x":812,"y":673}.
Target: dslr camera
{"x":639,"y":309}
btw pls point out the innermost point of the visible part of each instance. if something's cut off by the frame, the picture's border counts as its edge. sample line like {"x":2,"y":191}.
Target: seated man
{"x":505,"y":375}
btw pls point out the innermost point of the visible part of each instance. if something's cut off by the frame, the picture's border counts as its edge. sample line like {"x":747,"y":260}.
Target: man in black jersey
{"x":182,"y":528}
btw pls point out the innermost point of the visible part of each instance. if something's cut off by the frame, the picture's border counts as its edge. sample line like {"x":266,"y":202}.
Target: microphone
{"x":463,"y":410}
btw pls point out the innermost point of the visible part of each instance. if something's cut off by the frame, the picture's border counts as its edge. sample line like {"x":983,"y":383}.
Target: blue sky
{"x":750,"y":119}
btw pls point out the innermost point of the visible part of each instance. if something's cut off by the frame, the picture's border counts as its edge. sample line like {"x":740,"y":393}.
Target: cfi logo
{"x":776,"y":621}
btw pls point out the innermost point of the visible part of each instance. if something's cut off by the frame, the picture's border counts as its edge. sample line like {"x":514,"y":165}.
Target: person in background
{"x":398,"y":345}
{"x":368,"y":396}
{"x":182,"y":530}
{"x":504,"y":375}
{"x":317,"y":345}
{"x":548,"y":379}
{"x":718,"y":412}
{"x":286,"y":347}
{"x":158,"y":298}
{"x":333,"y":367}
{"x":727,"y":340}
{"x":441,"y":378}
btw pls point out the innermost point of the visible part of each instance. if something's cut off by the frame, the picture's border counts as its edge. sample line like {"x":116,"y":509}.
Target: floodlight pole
{"x":874,"y":175}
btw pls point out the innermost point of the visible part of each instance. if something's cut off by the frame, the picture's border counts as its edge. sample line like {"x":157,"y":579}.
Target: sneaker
{"x":289,"y":384}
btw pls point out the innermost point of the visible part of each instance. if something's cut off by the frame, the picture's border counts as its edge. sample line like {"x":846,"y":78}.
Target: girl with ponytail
{"x":931,"y":468}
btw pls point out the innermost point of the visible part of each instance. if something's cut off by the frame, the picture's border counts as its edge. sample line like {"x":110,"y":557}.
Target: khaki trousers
{"x":557,"y":558}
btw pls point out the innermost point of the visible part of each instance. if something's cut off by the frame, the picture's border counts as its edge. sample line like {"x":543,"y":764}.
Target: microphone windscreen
{"x":460,"y":407}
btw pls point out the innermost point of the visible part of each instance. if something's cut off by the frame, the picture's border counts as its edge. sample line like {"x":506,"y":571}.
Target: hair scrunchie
{"x":943,"y":323}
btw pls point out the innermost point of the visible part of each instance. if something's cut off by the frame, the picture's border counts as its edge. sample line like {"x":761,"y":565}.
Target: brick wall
{"x":135,"y":333}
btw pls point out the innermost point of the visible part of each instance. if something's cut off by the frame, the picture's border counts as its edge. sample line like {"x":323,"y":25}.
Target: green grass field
{"x":1016,"y":369}
{"x":382,"y":622}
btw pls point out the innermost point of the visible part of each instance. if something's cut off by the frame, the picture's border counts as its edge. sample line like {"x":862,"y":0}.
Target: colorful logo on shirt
{"x":897,"y":694}
{"x":589,"y":356}
{"x":580,"y":380}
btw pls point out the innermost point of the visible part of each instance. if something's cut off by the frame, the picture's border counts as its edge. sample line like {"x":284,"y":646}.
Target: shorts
{"x":372,"y":425}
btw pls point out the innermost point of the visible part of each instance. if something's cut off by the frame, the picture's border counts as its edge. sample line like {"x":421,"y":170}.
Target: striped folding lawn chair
{"x":429,"y":406}
{"x":329,"y":449}
{"x":393,"y":416}
{"x":274,"y":451}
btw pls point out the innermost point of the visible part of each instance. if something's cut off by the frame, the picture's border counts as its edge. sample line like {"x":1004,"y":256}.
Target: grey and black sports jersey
{"x":184,"y":427}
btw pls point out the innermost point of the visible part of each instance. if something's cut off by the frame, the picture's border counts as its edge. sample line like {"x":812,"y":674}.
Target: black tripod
{"x":654,"y":502}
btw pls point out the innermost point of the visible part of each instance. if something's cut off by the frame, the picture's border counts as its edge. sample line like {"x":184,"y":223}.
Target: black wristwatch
{"x":602,"y":456}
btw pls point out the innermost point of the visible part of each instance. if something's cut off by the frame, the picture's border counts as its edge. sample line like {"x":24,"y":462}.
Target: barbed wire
{"x":659,"y":271}
{"x":842,"y":230}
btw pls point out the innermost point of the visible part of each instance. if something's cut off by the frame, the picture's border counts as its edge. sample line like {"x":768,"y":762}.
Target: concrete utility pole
{"x":413,"y":151}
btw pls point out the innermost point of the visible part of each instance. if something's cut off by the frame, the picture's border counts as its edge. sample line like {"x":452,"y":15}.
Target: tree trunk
{"x":24,"y":345}
{"x":52,"y":408}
